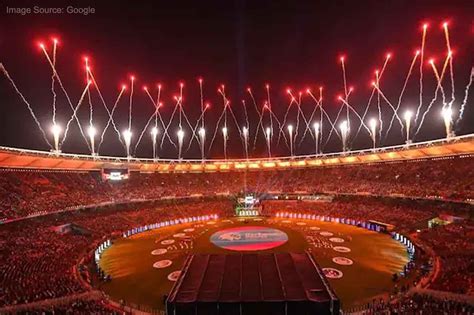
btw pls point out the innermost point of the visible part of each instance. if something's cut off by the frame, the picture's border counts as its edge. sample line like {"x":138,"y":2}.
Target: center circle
{"x":249,"y":238}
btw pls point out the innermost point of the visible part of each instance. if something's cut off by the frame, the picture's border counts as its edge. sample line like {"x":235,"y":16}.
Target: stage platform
{"x":276,"y":283}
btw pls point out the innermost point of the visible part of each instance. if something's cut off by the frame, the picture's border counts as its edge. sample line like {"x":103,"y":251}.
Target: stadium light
{"x":447,"y":114}
{"x":245,"y":133}
{"x":180,"y":135}
{"x":127,"y":136}
{"x":225,"y":137}
{"x":344,"y":133}
{"x":290,"y":133}
{"x":202,"y":137}
{"x":373,"y":127}
{"x":268,"y":135}
{"x":56,"y":131}
{"x":316,"y":128}
{"x":92,"y":131}
{"x":408,"y":115}
{"x":154,"y":133}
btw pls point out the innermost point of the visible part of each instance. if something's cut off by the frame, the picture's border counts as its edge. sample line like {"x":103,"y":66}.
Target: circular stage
{"x":358,"y":263}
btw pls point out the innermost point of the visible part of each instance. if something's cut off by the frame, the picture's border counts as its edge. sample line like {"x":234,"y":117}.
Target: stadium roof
{"x":20,"y":158}
{"x":282,"y":283}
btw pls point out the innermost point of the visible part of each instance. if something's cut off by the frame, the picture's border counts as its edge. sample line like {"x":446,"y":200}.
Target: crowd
{"x":453,"y":244}
{"x":37,"y":261}
{"x":24,"y":193}
{"x":415,"y":304}
{"x":79,"y":306}
{"x":402,"y":215}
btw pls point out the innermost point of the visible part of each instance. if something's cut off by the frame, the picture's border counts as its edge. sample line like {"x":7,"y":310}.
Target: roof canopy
{"x":19,"y":158}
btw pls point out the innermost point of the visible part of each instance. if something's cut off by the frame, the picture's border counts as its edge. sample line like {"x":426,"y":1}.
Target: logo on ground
{"x":332,"y":273}
{"x":159,"y":251}
{"x":162,"y":264}
{"x":174,"y":275}
{"x":249,"y":238}
{"x":342,"y":261}
{"x":342,"y":249}
{"x":336,"y":240}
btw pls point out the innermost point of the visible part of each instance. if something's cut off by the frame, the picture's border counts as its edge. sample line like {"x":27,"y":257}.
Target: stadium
{"x":151,"y":201}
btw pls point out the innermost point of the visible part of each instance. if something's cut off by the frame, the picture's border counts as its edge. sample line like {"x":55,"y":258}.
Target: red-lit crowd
{"x":38,"y":261}
{"x":25,"y":193}
{"x":416,"y":304}
{"x":453,"y":244}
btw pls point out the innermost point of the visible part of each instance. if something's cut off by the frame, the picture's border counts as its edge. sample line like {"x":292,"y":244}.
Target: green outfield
{"x":360,"y":262}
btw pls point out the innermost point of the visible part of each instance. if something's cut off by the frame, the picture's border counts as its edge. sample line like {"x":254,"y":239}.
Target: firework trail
{"x":157,"y":105}
{"x":344,"y":76}
{"x":260,"y":124}
{"x":346,"y":95}
{"x":270,"y":108}
{"x":110,"y":120}
{"x":201,"y":94}
{"x":88,"y":91}
{"x":423,"y":40}
{"x":451,"y":71}
{"x":321,"y":115}
{"x":378,"y":103}
{"x":372,"y":95}
{"x":407,"y":78}
{"x":180,"y":105}
{"x":307,"y":122}
{"x":152,"y":117}
{"x":193,"y":135}
{"x":356,"y":113}
{"x":158,"y":115}
{"x":30,"y":109}
{"x":292,"y":100}
{"x":308,"y":91}
{"x":66,"y":94}
{"x":323,"y":112}
{"x":279,"y":125}
{"x":169,"y":123}
{"x":389,"y":104}
{"x":466,"y":95}
{"x":440,"y":83}
{"x":195,"y":128}
{"x":216,"y":129}
{"x":246,"y":114}
{"x":334,"y":127}
{"x":258,"y":112}
{"x":52,"y":83}
{"x":132,"y":79}
{"x":75,"y":112}
{"x":435,"y":94}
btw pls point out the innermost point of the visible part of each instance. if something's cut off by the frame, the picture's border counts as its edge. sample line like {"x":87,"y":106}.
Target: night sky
{"x":238,"y":43}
